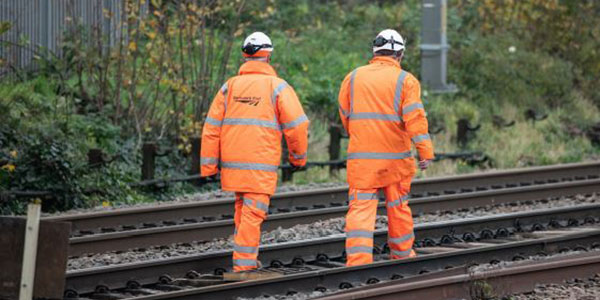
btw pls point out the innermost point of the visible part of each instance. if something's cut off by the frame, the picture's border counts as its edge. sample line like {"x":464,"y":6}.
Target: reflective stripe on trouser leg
{"x":247,"y":239}
{"x":360,"y":224}
{"x":400,"y":221}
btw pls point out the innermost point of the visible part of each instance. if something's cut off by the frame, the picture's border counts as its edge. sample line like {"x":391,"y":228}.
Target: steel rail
{"x":148,"y":272}
{"x":384,"y":270}
{"x":316,"y":198}
{"x":509,"y":280}
{"x":140,"y":238}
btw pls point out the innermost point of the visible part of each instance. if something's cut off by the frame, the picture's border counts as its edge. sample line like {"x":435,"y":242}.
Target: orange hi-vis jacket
{"x":381,"y":109}
{"x":243,"y":130}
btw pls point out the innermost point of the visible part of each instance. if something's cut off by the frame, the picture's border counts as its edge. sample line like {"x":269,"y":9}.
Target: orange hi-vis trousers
{"x":360,"y":223}
{"x":251,"y":210}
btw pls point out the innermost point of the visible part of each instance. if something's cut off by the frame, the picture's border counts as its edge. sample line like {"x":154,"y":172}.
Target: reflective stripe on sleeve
{"x":359,"y":249}
{"x":248,"y":121}
{"x":298,"y":156}
{"x":224,"y":91}
{"x":245,"y":249}
{"x":374,"y":116}
{"x":398,"y":93}
{"x":379,"y":155}
{"x":209,"y":160}
{"x":344,"y":112}
{"x":421,"y":137}
{"x":213,"y":121}
{"x":411,"y":107}
{"x":359,"y":234}
{"x":249,"y":166}
{"x":276,"y":92}
{"x":401,"y":239}
{"x":301,"y":119}
{"x":364,"y":196}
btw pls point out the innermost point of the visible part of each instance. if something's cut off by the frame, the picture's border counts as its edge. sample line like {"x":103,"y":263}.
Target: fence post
{"x":148,"y":155}
{"x":335,"y":138}
{"x":30,"y":250}
{"x":95,"y":158}
{"x":196,"y":148}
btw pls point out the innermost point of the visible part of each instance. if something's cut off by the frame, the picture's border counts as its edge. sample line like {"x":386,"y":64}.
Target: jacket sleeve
{"x":344,"y":102}
{"x":415,"y":120}
{"x":294,"y":124}
{"x":211,"y":134}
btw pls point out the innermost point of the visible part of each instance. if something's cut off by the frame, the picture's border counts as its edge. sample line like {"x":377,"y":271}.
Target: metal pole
{"x":30,"y":250}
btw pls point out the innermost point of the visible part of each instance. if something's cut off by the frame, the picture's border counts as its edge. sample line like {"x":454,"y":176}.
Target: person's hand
{"x":424,"y":164}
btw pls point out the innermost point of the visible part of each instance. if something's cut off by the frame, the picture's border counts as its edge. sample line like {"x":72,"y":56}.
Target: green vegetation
{"x":505,"y":57}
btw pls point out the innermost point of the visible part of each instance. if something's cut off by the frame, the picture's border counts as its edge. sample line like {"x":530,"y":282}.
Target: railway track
{"x":496,"y":283}
{"x":208,"y":230}
{"x":317,"y":263}
{"x":131,"y":228}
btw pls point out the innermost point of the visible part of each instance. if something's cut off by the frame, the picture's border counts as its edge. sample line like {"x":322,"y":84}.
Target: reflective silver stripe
{"x":397,"y":202}
{"x":301,"y":119}
{"x":379,"y":155}
{"x":359,"y":234}
{"x":257,"y":204}
{"x":401,"y":239}
{"x":245,"y":249}
{"x":352,"y":92}
{"x":244,"y":262}
{"x":359,"y":249}
{"x":400,"y":253}
{"x":276,"y":92}
{"x":374,"y":116}
{"x":421,"y":137}
{"x":411,"y":107}
{"x":298,"y":156}
{"x":249,"y":166}
{"x":398,"y":93}
{"x":209,"y":161}
{"x":212,"y":121}
{"x":262,"y":206}
{"x":234,"y":231}
{"x":257,"y":122}
{"x":364,"y":196}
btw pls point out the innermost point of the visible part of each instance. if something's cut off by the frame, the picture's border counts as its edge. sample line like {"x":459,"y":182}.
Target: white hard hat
{"x":388,"y":39}
{"x":257,"y":44}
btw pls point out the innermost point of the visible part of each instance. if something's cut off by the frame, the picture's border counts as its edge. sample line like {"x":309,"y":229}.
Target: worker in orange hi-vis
{"x":381,"y":109}
{"x":242,"y":134}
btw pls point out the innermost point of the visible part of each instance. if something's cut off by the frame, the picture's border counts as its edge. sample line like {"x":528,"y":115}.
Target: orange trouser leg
{"x":238,"y":211}
{"x":254,"y":209}
{"x":360,"y":224}
{"x":400,"y":221}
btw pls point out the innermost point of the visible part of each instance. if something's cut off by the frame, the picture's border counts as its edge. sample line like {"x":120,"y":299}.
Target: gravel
{"x":309,"y":231}
{"x":577,"y":289}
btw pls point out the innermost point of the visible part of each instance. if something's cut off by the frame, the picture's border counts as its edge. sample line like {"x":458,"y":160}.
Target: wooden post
{"x":148,"y":155}
{"x":95,"y":158}
{"x":195,"y":169}
{"x":196,"y":148}
{"x":335,"y":138}
{"x":30,"y":250}
{"x":462,"y":129}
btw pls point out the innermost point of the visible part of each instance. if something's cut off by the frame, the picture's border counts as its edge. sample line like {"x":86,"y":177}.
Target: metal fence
{"x":41,"y":24}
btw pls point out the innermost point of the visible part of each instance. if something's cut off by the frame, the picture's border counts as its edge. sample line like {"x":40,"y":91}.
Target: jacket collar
{"x":384,"y":60}
{"x":256,"y":67}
